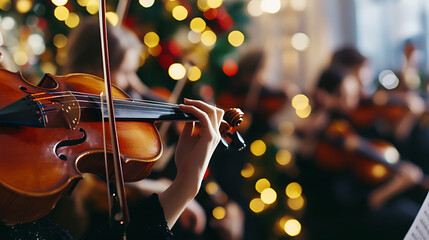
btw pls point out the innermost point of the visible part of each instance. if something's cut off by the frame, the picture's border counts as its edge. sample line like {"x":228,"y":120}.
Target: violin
{"x":386,"y":107}
{"x":371,"y":161}
{"x":52,"y":132}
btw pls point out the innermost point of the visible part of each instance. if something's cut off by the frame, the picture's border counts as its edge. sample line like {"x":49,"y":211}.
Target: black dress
{"x":147,"y":221}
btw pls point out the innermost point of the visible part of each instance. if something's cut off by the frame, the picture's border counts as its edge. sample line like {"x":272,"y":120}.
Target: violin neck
{"x":137,"y":111}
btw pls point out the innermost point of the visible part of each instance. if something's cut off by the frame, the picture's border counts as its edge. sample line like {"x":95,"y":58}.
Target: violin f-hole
{"x":69,"y":142}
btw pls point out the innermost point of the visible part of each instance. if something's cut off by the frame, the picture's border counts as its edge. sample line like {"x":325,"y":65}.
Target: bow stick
{"x":123,"y":216}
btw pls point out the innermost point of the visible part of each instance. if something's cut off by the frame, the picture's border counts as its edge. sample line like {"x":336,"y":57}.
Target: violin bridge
{"x":71,"y":109}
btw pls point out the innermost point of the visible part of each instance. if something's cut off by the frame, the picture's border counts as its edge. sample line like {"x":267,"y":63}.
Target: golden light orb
{"x":295,"y":203}
{"x":262,"y":184}
{"x":180,"y":13}
{"x":292,"y":227}
{"x":208,"y":38}
{"x":151,"y":39}
{"x":194,"y":74}
{"x":283,"y":157}
{"x":293,"y":190}
{"x":212,"y":188}
{"x":83,"y":3}
{"x":219,"y":212}
{"x":258,"y":147}
{"x":214,"y":3}
{"x":20,"y":58}
{"x":256,"y":205}
{"x":177,"y":71}
{"x":61,"y":13}
{"x":248,"y":170}
{"x":236,"y":38}
{"x":23,"y":6}
{"x":60,"y":40}
{"x":268,"y":196}
{"x":72,"y":20}
{"x":303,"y":113}
{"x":300,"y":101}
{"x":197,"y":24}
{"x":92,"y":7}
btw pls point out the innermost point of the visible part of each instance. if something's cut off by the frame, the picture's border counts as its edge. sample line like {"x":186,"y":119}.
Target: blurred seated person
{"x":84,"y":56}
{"x":340,"y":205}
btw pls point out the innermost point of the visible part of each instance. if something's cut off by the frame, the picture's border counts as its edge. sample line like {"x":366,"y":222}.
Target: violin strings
{"x":117,"y":101}
{"x":115,"y":98}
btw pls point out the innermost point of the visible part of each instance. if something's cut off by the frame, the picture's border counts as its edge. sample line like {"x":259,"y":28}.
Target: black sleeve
{"x":147,"y":221}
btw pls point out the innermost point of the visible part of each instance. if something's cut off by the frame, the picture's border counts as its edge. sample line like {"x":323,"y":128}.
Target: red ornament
{"x":174,"y":48}
{"x":230,"y":67}
{"x":211,"y":13}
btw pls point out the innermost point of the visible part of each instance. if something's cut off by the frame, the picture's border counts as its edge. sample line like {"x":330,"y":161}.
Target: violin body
{"x":342,"y":149}
{"x":40,"y":164}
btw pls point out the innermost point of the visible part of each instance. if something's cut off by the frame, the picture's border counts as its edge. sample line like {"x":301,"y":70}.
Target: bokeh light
{"x":256,"y":205}
{"x":268,"y":196}
{"x":72,"y":20}
{"x":112,"y":17}
{"x":258,"y":147}
{"x":378,"y":171}
{"x":293,"y":190}
{"x":146,"y":3}
{"x":208,"y":38}
{"x":5,"y":5}
{"x":20,"y":58}
{"x":300,"y":101}
{"x":36,"y":43}
{"x":248,"y":170}
{"x":8,"y":23}
{"x":283,"y":157}
{"x":60,"y":40}
{"x":180,"y":13}
{"x":23,"y":6}
{"x":236,"y":38}
{"x":61,"y":13}
{"x":303,"y":113}
{"x":296,"y":203}
{"x":194,"y":73}
{"x":271,"y":6}
{"x":177,"y":71}
{"x":214,"y":3}
{"x":219,"y":212}
{"x":151,"y":39}
{"x":197,"y":24}
{"x":292,"y":227}
{"x":83,"y":3}
{"x":300,"y":41}
{"x":212,"y":187}
{"x":230,"y":67}
{"x":92,"y":7}
{"x":254,"y":8}
{"x":59,"y":2}
{"x":194,"y":37}
{"x":262,"y":184}
{"x":388,"y":79}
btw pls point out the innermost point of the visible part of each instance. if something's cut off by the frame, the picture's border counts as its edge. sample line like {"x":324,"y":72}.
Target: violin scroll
{"x":231,"y":139}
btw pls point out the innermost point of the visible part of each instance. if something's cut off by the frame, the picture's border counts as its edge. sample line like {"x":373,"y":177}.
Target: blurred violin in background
{"x":371,"y":161}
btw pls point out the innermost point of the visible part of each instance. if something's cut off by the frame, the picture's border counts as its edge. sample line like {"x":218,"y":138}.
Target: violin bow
{"x":122,"y":10}
{"x":123,"y":216}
